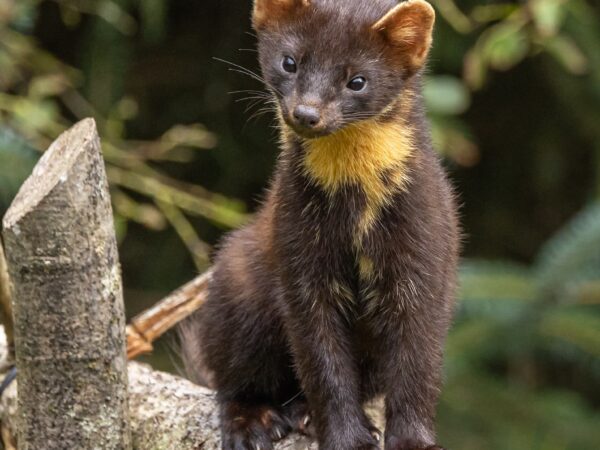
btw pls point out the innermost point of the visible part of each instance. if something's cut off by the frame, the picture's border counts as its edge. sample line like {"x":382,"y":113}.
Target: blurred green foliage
{"x":40,"y":98}
{"x":524,"y":355}
{"x":513,"y":94}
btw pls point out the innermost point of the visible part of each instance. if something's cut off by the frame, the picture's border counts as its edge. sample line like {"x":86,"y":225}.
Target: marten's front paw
{"x":298,"y":416}
{"x":252,"y":427}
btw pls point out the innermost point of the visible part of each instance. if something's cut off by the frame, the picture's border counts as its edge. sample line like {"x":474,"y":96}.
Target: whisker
{"x":242,"y":68}
{"x":250,"y":91}
{"x":245,"y":71}
{"x":261,"y":112}
{"x":252,"y":97}
{"x":255,"y":97}
{"x":252,"y":105}
{"x":358,"y":116}
{"x":250,"y":74}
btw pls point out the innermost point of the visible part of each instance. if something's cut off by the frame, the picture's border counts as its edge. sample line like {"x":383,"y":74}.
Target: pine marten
{"x":342,"y":287}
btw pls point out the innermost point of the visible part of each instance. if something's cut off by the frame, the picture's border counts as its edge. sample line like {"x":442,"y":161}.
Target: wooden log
{"x":167,"y":412}
{"x":69,"y":322}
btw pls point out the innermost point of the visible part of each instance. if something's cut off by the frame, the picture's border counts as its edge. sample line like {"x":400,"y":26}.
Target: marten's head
{"x":332,"y":63}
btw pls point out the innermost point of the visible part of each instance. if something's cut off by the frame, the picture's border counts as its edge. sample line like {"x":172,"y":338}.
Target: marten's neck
{"x":372,"y":154}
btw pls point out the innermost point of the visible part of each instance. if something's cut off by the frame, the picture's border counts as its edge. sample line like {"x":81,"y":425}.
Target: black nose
{"x":307,"y":116}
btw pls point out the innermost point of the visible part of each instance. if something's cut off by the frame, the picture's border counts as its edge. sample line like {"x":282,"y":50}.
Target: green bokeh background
{"x":513,"y":91}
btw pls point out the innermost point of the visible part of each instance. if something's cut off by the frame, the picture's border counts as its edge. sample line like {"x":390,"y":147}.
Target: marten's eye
{"x":357,"y":84}
{"x":289,"y":64}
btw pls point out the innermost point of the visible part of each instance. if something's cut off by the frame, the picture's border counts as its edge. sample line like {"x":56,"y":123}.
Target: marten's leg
{"x":320,"y":337}
{"x":410,"y":362}
{"x":249,"y":365}
{"x":253,"y":373}
{"x":236,"y":339}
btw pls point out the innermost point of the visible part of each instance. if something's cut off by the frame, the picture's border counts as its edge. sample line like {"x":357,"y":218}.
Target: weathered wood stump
{"x":67,"y":298}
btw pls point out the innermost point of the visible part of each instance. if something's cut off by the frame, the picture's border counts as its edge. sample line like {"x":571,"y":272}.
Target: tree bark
{"x":167,"y":412}
{"x":68,"y":306}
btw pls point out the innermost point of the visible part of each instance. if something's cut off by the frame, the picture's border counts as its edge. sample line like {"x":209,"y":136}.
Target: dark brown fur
{"x":289,"y":325}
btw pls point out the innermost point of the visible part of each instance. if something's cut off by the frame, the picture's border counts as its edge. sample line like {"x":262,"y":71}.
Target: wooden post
{"x":68,"y":305}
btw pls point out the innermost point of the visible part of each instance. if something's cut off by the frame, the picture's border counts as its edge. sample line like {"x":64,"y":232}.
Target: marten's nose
{"x":307,"y":116}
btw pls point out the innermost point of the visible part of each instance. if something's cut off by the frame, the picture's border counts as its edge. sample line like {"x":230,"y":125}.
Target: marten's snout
{"x":307,"y":117}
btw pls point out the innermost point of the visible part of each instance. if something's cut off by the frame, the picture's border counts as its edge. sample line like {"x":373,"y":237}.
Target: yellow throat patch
{"x":361,"y":154}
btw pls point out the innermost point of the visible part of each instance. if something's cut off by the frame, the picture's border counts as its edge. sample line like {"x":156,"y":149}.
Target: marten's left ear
{"x":408,"y":28}
{"x":272,"y":12}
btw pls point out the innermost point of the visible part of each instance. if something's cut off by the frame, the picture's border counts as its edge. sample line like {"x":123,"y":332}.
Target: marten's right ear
{"x":271,"y":12}
{"x":407,"y":28}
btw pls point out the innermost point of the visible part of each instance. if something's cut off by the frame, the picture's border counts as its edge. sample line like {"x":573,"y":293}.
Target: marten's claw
{"x":252,"y":427}
{"x":376,"y":433}
{"x":279,"y":429}
{"x":304,"y":426}
{"x":299,"y":417}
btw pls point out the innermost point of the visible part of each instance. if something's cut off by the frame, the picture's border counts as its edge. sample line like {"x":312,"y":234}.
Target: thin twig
{"x":218,"y":213}
{"x":145,"y":328}
{"x":199,"y":249}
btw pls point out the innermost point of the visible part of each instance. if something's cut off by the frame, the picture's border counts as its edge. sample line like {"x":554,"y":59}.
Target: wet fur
{"x":342,"y":287}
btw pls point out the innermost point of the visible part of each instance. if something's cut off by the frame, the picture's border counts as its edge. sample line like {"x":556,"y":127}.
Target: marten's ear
{"x":408,"y":29}
{"x":271,"y":12}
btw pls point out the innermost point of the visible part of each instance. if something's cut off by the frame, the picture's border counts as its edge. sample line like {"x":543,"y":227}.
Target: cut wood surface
{"x":69,"y":321}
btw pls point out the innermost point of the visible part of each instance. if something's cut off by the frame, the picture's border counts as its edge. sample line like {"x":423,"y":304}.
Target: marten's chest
{"x":359,"y":170}
{"x":337,"y":212}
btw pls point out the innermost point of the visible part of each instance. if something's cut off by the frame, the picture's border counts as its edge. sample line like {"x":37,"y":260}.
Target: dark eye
{"x":289,"y":64}
{"x":357,"y":84}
